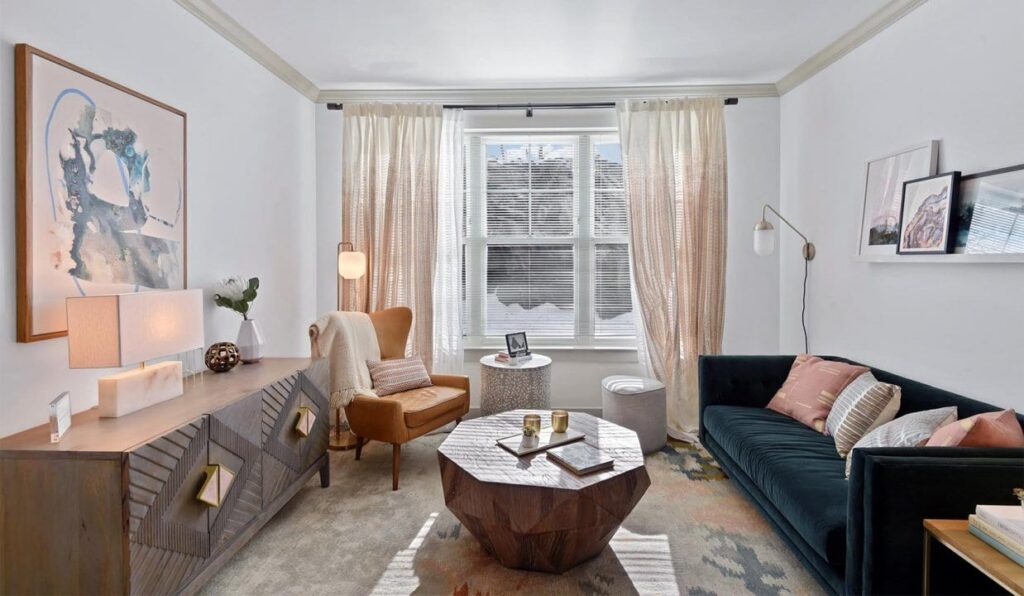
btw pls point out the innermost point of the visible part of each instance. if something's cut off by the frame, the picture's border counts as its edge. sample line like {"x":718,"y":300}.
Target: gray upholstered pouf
{"x":637,"y":404}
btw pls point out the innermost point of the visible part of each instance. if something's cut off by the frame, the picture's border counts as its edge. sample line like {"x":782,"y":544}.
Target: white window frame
{"x":583,"y":240}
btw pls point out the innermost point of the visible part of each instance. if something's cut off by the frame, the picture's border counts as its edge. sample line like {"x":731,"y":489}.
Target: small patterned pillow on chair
{"x":399,"y":374}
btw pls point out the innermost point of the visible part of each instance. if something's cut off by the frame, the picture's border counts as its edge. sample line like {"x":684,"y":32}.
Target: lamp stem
{"x":764,"y":213}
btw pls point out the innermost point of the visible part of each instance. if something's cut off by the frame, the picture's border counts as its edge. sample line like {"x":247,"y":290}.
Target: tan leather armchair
{"x":401,"y":417}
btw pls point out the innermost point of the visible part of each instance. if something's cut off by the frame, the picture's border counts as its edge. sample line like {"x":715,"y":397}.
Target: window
{"x":545,"y":240}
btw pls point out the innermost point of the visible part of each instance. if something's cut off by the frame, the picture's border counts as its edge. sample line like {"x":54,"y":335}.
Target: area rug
{"x":693,"y":533}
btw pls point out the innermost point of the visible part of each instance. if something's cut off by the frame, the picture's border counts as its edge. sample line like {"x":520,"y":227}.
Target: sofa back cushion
{"x":811,"y":389}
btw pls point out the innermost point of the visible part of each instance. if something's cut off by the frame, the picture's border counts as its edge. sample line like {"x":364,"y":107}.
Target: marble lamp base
{"x":131,"y":390}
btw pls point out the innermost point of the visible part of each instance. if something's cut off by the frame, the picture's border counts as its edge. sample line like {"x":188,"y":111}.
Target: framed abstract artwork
{"x":926,"y":217}
{"x":883,"y":193}
{"x":101,"y":190}
{"x":990,"y":212}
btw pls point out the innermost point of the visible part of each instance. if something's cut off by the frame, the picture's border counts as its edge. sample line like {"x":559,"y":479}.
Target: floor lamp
{"x":351,"y":266}
{"x":764,"y":245}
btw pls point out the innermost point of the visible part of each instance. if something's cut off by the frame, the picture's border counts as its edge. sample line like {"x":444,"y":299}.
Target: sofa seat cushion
{"x":422,"y":405}
{"x":797,"y":468}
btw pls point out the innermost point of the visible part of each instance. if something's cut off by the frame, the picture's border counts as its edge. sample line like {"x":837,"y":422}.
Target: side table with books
{"x":990,"y":540}
{"x":506,"y":385}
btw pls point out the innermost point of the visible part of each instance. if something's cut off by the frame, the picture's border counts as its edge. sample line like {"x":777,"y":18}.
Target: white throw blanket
{"x":347,"y":340}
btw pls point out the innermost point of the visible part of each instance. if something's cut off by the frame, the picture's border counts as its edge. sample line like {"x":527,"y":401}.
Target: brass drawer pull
{"x":305,"y":422}
{"x":217,"y":484}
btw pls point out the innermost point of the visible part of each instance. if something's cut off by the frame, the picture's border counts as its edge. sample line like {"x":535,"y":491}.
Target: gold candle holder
{"x":531,"y":425}
{"x":559,"y":421}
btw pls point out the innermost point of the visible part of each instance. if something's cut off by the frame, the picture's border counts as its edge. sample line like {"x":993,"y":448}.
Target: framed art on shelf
{"x":926,"y":216}
{"x":990,"y":212}
{"x":883,"y":193}
{"x":101,"y":190}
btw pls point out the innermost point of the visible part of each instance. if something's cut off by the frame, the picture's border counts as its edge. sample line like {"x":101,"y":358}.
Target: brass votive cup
{"x":531,"y":425}
{"x":559,"y":421}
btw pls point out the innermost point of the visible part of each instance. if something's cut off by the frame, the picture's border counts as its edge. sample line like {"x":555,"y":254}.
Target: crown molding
{"x":867,"y":29}
{"x":542,"y":95}
{"x":231,"y":30}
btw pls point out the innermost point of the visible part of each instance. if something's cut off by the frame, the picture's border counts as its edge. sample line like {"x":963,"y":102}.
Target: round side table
{"x":506,"y":387}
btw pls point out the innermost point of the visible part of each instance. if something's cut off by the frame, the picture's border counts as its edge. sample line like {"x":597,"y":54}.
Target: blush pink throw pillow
{"x":994,"y":429}
{"x":812,"y":387}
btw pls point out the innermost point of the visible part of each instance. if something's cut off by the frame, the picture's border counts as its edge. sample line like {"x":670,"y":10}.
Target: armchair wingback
{"x":401,"y":417}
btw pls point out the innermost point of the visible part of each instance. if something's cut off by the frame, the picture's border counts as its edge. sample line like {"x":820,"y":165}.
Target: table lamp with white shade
{"x":123,"y":329}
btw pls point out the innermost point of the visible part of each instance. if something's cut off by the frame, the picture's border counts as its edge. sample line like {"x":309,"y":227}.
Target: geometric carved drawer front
{"x":235,"y":444}
{"x":168,"y":529}
{"x":287,"y":453}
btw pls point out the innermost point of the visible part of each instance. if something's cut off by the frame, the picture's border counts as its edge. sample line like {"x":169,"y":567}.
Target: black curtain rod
{"x":729,"y":101}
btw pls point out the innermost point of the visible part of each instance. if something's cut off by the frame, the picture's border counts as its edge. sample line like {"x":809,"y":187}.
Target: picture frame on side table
{"x":926,"y":215}
{"x":516,"y":344}
{"x":883,"y":195}
{"x":990,"y":212}
{"x":101,"y":189}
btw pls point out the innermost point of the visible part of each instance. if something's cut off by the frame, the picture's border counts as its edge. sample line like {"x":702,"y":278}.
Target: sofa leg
{"x":359,"y":448}
{"x":458,"y":421}
{"x":396,"y":463}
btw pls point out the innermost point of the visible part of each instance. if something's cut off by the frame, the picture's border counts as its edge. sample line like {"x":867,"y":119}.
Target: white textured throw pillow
{"x":864,"y":405}
{"x":906,"y":431}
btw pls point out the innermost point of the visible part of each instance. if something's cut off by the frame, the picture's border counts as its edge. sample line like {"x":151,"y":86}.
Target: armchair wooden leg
{"x":458,"y":421}
{"x":396,"y":463}
{"x":359,"y":448}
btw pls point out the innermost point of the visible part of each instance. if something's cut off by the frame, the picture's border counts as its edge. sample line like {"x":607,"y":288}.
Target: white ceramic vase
{"x":250,"y":342}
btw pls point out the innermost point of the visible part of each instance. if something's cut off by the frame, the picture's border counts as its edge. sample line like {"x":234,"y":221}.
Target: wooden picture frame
{"x":921,"y":198}
{"x":145,"y":244}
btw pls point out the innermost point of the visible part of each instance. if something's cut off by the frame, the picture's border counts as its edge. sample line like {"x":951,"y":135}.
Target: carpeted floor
{"x":692,"y":533}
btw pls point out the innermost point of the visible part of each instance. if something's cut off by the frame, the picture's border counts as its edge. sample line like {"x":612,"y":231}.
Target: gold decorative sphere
{"x":222,"y":356}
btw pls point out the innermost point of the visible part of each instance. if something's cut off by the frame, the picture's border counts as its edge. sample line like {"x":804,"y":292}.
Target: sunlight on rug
{"x":693,"y":533}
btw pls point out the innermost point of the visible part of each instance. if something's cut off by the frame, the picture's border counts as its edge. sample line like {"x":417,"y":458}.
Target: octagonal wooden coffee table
{"x":529,"y":512}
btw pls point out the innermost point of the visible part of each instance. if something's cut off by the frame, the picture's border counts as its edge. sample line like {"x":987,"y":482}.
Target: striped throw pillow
{"x":864,"y":405}
{"x":399,"y":374}
{"x":909,"y":430}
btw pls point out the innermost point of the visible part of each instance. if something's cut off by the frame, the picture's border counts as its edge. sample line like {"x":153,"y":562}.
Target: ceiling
{"x":482,"y":44}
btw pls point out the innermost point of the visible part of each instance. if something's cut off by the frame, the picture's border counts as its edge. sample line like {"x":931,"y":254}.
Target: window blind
{"x":545,"y":242}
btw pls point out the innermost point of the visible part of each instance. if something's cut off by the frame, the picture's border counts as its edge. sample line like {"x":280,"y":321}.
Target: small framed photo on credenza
{"x":516,"y":344}
{"x":926,"y":216}
{"x":60,"y":416}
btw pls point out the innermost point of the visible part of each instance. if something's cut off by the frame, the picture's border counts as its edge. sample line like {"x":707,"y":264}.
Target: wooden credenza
{"x":113,"y":507}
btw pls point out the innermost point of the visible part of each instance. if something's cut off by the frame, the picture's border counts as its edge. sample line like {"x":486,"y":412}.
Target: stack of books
{"x":504,"y":358}
{"x":1002,"y":527}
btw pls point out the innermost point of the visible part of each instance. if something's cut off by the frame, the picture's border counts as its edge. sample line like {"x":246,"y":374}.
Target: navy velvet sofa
{"x":862,"y":535}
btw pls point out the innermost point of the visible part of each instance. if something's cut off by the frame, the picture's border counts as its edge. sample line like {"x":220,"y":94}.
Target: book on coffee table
{"x":521,"y":445}
{"x":581,"y":458}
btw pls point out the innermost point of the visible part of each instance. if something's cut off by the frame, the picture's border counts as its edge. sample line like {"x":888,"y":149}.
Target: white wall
{"x":752,"y":307}
{"x":950,"y":70}
{"x":251,"y":176}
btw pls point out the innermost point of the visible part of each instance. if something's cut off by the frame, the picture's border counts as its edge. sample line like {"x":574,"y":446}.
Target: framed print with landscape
{"x":990,"y":212}
{"x":101,"y":190}
{"x":883,"y":193}
{"x":926,"y":218}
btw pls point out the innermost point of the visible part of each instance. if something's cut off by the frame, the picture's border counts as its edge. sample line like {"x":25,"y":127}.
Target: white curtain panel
{"x":448,"y":349}
{"x":390,"y":166}
{"x":674,"y":159}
